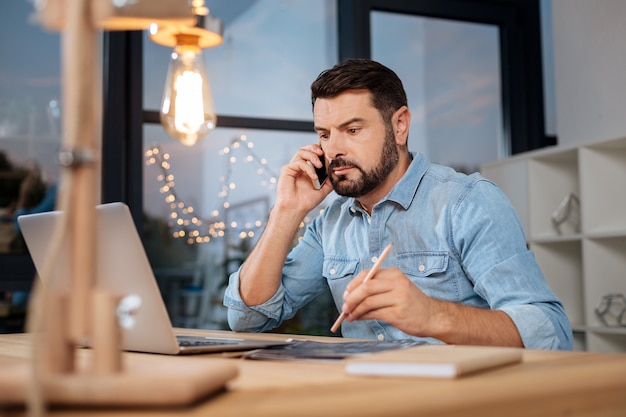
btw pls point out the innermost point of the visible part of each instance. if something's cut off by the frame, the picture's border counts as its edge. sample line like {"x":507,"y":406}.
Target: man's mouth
{"x":341,"y":170}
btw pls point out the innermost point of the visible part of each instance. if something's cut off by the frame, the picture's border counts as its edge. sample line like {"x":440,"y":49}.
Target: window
{"x":224,"y":186}
{"x":30,"y":110}
{"x":260,"y":92}
{"x":451,"y":72}
{"x":272,"y":51}
{"x":260,"y":76}
{"x":518,"y":23}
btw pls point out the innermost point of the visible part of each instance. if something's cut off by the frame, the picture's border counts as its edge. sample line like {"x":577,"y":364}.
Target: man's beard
{"x":368,"y":181}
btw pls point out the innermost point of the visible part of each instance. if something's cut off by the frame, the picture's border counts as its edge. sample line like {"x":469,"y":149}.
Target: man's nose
{"x":333,"y":146}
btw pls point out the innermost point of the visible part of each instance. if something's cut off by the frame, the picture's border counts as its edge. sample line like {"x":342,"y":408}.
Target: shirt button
{"x":381,"y":337}
{"x":421,"y":268}
{"x":374,"y":259}
{"x":332,"y":271}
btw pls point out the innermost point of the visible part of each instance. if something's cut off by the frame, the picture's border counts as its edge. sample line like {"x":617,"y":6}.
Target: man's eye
{"x":323,"y":136}
{"x":353,"y":130}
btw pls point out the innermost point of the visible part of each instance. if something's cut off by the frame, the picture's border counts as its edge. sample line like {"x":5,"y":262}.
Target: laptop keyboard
{"x":205,"y":341}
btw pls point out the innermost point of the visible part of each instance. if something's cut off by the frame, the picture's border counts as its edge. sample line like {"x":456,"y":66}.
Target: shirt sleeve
{"x":244,"y":318}
{"x":491,"y":244}
{"x":301,"y":282}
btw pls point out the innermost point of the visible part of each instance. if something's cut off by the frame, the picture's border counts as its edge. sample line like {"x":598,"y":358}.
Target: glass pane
{"x":547,"y":56}
{"x":29,"y":118}
{"x":272,"y":51}
{"x":204,"y":208}
{"x":451,"y":72}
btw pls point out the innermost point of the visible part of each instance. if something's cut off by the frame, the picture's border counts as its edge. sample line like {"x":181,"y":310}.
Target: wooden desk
{"x":544,"y":384}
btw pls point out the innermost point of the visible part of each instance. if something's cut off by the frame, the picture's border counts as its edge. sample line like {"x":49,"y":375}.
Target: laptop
{"x":123,"y":268}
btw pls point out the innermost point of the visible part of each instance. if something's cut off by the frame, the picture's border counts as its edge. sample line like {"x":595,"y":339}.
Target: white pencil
{"x":369,"y":275}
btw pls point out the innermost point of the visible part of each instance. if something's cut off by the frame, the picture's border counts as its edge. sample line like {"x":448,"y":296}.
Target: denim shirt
{"x":455,"y":236}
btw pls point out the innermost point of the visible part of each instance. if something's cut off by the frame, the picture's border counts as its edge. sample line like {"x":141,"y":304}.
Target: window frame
{"x":124,"y":116}
{"x":522,"y":82}
{"x":519,"y":22}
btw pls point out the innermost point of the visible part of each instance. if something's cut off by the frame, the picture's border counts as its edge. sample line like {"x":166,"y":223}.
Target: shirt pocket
{"x":336,"y":269}
{"x":339,"y":273}
{"x":429,"y":271}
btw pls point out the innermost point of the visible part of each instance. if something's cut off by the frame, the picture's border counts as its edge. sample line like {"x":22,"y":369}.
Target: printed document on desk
{"x":440,"y":361}
{"x":328,"y":351}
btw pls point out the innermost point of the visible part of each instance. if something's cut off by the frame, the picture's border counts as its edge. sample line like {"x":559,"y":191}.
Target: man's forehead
{"x":360,"y":95}
{"x":350,"y":104}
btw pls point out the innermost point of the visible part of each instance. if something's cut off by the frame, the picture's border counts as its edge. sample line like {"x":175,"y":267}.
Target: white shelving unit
{"x":584,"y":260}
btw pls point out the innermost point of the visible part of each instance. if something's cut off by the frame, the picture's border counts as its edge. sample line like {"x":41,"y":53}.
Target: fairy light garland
{"x":182,"y":218}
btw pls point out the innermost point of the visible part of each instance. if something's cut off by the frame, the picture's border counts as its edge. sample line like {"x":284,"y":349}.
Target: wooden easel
{"x":61,"y":372}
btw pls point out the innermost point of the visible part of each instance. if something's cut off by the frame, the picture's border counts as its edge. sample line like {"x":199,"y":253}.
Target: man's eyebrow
{"x":341,"y":126}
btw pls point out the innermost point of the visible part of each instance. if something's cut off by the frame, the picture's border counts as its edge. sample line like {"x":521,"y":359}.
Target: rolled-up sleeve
{"x":300,"y":283}
{"x":539,"y":327}
{"x":517,"y":287}
{"x":244,"y":318}
{"x":491,"y":243}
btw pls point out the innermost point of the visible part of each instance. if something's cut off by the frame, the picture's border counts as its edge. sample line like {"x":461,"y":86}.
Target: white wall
{"x":590,"y":69}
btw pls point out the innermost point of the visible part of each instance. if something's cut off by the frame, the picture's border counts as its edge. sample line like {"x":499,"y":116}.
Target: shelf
{"x":610,"y":234}
{"x":575,"y":237}
{"x":607,"y":330}
{"x":561,"y":264}
{"x":605,"y":342}
{"x":584,"y":260}
{"x":551,"y":179}
{"x":604,"y":263}
{"x":603,"y":181}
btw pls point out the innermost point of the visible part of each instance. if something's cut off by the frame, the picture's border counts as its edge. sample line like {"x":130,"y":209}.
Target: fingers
{"x":373,"y":307}
{"x":295,"y":188}
{"x":310,"y":154}
{"x":305,"y":162}
{"x":356,"y":281}
{"x":360,"y":298}
{"x":383,"y":298}
{"x":391,"y":297}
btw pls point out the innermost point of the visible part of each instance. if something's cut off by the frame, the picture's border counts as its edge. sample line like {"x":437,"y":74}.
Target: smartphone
{"x":322,"y":174}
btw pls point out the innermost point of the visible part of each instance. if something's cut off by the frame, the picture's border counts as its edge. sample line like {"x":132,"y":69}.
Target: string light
{"x":182,"y":219}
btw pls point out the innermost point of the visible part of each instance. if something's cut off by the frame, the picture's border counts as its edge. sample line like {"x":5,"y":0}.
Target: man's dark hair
{"x":384,"y":85}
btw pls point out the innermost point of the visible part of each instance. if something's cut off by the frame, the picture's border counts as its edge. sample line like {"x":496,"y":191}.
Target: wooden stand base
{"x":146,"y":381}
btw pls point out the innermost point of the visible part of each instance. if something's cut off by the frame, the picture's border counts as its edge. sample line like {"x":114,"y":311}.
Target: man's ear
{"x":401,"y":120}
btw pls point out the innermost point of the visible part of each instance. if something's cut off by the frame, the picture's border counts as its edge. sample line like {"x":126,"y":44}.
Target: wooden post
{"x":80,"y":158}
{"x":85,"y":313}
{"x":58,"y":354}
{"x":107,"y":335}
{"x":81,"y":145}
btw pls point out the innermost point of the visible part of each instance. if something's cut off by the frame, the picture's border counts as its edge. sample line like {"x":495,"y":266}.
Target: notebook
{"x":435,"y":361}
{"x":123,"y":268}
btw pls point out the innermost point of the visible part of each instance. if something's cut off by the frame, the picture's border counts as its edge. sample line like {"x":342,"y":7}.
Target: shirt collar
{"x":404,"y":191}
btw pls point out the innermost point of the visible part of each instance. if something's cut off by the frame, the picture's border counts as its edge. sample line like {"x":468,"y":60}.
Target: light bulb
{"x":187,"y":111}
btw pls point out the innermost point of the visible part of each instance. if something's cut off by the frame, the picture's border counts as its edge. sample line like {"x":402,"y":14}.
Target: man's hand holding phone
{"x":297,"y":187}
{"x":322,"y":174}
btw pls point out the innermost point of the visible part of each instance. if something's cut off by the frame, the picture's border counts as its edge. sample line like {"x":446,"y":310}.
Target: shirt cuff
{"x":244,"y":318}
{"x":534,"y":327}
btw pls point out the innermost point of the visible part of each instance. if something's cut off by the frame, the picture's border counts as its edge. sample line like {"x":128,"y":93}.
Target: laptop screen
{"x":122,"y":267}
